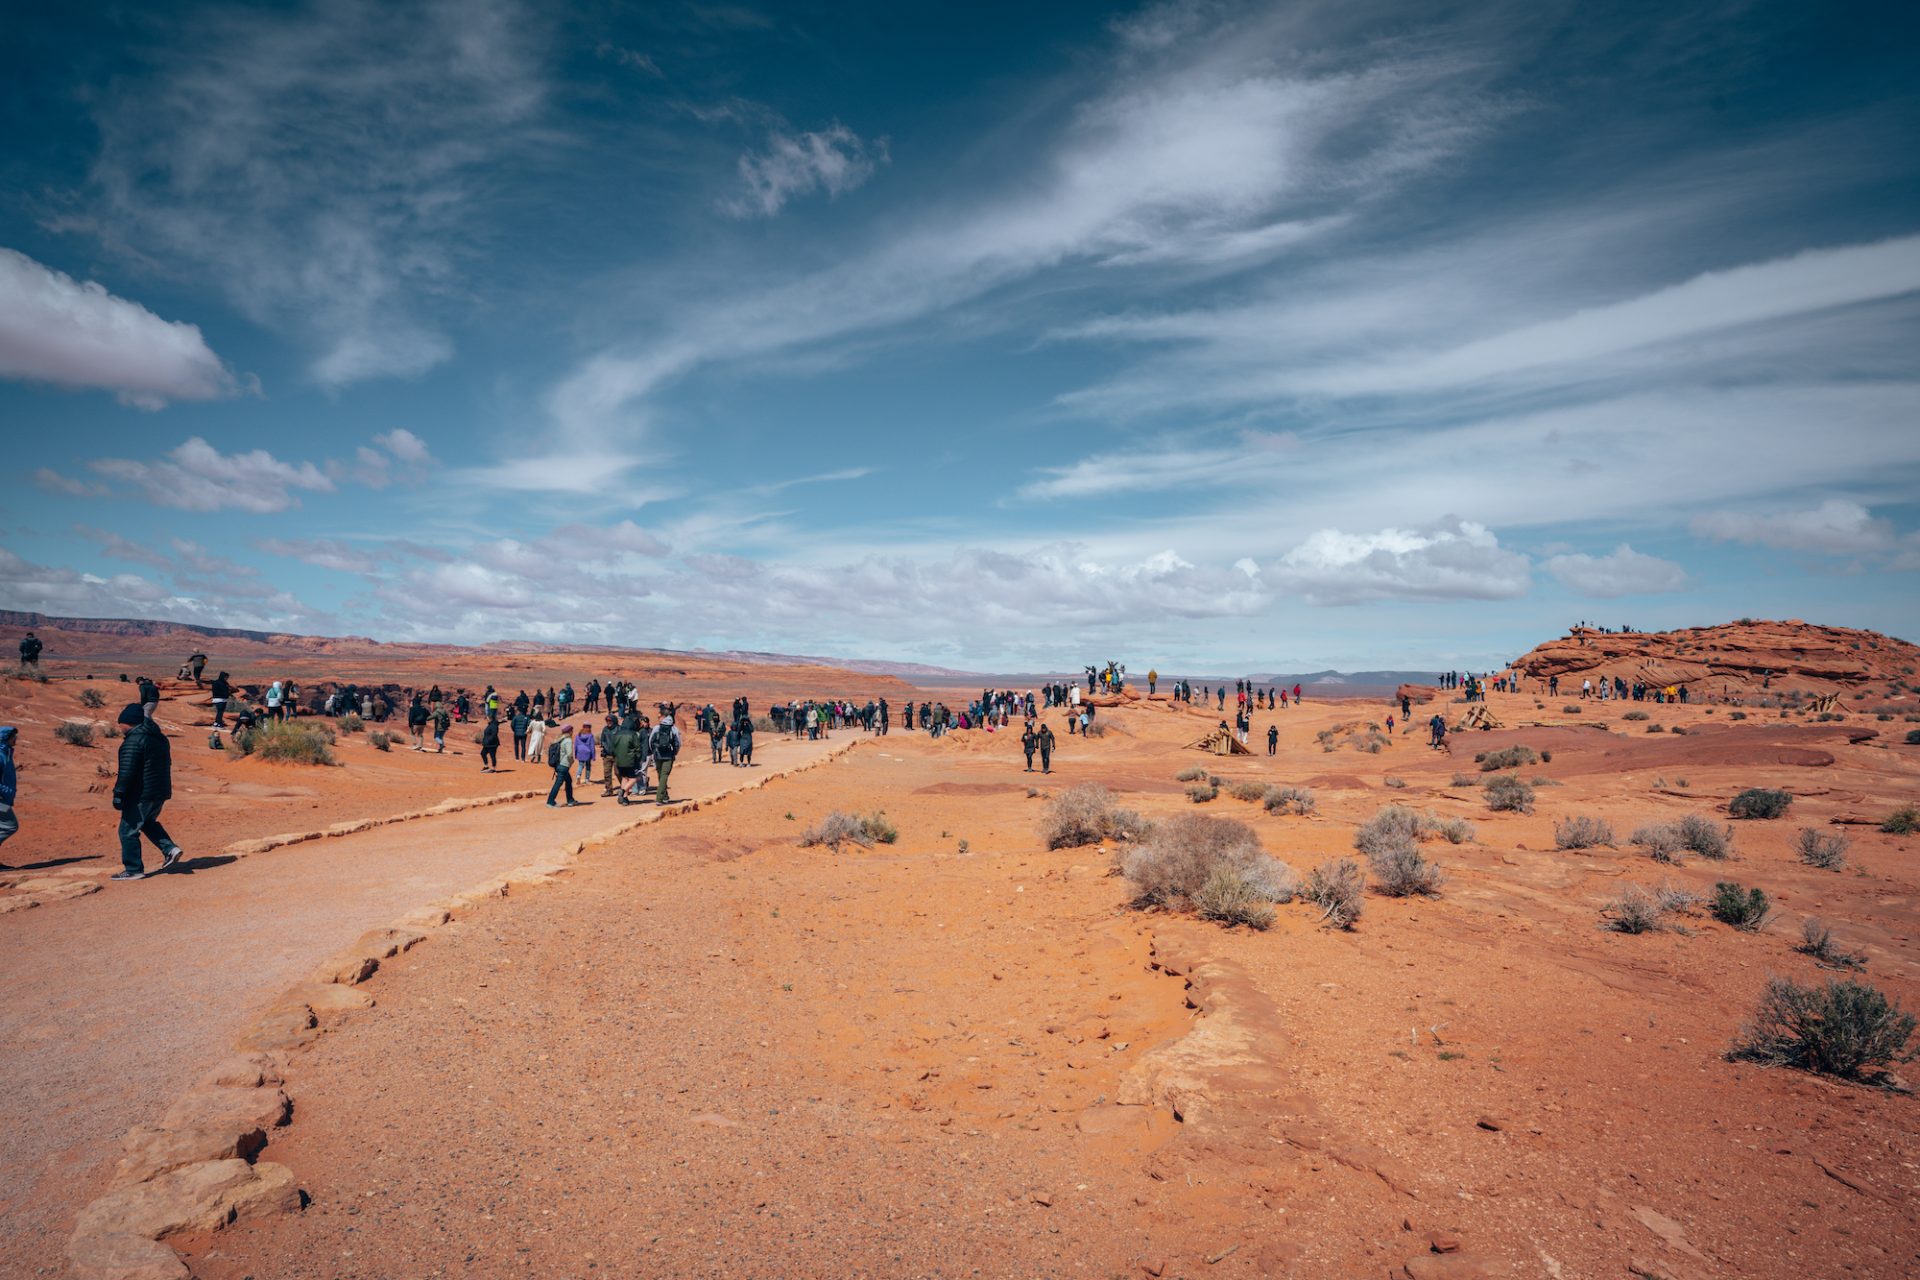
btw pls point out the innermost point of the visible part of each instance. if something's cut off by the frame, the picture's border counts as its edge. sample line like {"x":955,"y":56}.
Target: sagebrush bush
{"x":1464,"y":780}
{"x":1845,"y":1028}
{"x":1510,"y":758}
{"x":1743,"y":908}
{"x":1582,"y":833}
{"x":1085,"y":815}
{"x":1337,"y":886}
{"x":1738,"y":715}
{"x":1395,"y":825}
{"x":1173,"y":862}
{"x":1902,"y":822}
{"x":836,"y":829}
{"x":1202,"y":792}
{"x":92,"y":699}
{"x":1759,"y":802}
{"x":1396,"y":784}
{"x":1676,"y":900}
{"x":1401,"y":872}
{"x":76,"y":733}
{"x":1913,"y":737}
{"x":1816,"y":940}
{"x":1666,"y":841}
{"x":1248,"y":791}
{"x":1231,"y":897}
{"x":1508,"y":793}
{"x":1817,"y":849}
{"x":1634,"y":911}
{"x":287,"y":742}
{"x":21,"y":671}
{"x":1636,"y":715}
{"x":1285,"y":799}
{"x":352,"y":723}
{"x":880,"y":827}
{"x":1192,"y":773}
{"x":380,"y":740}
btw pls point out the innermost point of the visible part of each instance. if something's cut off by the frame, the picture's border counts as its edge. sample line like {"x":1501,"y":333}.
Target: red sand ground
{"x":710,"y":1051}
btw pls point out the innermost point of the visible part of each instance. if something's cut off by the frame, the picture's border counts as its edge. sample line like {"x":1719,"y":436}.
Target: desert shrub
{"x":1913,"y":737}
{"x":1284,"y":799}
{"x":1510,"y":758}
{"x":380,"y":740}
{"x":1393,"y":826}
{"x":75,"y":733}
{"x":1202,"y":792}
{"x":1665,"y":841}
{"x":92,"y":699}
{"x":1172,"y":864}
{"x":880,"y":827}
{"x":111,"y":732}
{"x":287,"y":742}
{"x":1230,"y":897}
{"x":1248,"y":791}
{"x":352,"y":723}
{"x":1845,"y":1028}
{"x":1582,"y":833}
{"x":1816,"y":849}
{"x":1464,"y":780}
{"x":21,"y":671}
{"x":1452,"y":830}
{"x":1738,"y":715}
{"x":1192,"y":773}
{"x":1676,"y":900}
{"x":1086,"y":814}
{"x":1902,"y":822}
{"x":1633,"y":911}
{"x":1396,"y":784}
{"x":1759,"y":802}
{"x":836,"y":829}
{"x":1816,"y":940}
{"x":1095,"y":730}
{"x":1401,"y":872}
{"x":1336,"y":886}
{"x":1507,"y":792}
{"x":1661,"y":841}
{"x":1636,"y":715}
{"x":1739,"y":906}
{"x":1656,"y":728}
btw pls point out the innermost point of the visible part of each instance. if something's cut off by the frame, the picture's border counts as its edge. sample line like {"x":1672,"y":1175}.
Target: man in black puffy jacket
{"x":143,"y":785}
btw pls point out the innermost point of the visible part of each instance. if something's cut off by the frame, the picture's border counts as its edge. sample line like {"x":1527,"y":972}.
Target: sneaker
{"x":553,"y":804}
{"x":129,"y":875}
{"x":173,"y":855}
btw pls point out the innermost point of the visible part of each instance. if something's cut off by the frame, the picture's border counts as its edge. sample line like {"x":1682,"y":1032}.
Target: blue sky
{"x":1213,"y":336}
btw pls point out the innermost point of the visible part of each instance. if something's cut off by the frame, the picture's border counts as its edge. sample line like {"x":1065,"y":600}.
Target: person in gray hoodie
{"x":9,"y":784}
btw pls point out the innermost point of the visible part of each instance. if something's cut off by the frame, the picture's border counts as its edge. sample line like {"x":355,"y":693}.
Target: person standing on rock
{"x":142,"y":786}
{"x":1437,"y":728}
{"x":490,"y":745}
{"x":560,"y":760}
{"x":149,"y":697}
{"x":221,"y":691}
{"x":198,"y":664}
{"x":664,"y":747}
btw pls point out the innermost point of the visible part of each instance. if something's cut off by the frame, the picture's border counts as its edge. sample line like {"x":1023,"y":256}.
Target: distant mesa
{"x":1744,"y":659}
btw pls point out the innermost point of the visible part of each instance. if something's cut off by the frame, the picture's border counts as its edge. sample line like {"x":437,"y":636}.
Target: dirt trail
{"x":110,"y":1005}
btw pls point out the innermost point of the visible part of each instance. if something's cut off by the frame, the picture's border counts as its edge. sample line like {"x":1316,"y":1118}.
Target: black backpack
{"x":663,"y":744}
{"x":554,"y":759}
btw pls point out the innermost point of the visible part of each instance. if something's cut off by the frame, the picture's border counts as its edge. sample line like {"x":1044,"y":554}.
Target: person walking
{"x":220,"y":692}
{"x":1437,"y":729}
{"x":1045,"y":741}
{"x":141,"y":787}
{"x":490,"y":745}
{"x":441,"y":721}
{"x":623,"y":758}
{"x":9,"y":786}
{"x":198,"y":664}
{"x":1029,"y":743}
{"x":149,"y":697}
{"x":746,"y":741}
{"x":583,"y":753}
{"x":417,"y":723}
{"x":560,"y":760}
{"x":664,"y":747}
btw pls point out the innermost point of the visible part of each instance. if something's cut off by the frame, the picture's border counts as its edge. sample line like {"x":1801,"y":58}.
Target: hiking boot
{"x":129,"y":875}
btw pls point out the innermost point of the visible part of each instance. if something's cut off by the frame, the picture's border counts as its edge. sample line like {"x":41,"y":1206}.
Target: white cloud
{"x":405,"y":446}
{"x":228,"y":601}
{"x":1837,"y":527}
{"x":56,"y":329}
{"x":53,"y":482}
{"x":1452,"y":559}
{"x":320,"y":165}
{"x":833,"y":160}
{"x":322,"y":553}
{"x":195,"y":476}
{"x":374,"y":466}
{"x":1622,"y":572}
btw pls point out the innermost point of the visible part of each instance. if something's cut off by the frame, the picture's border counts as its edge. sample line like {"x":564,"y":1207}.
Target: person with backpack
{"x":560,"y":760}
{"x":664,"y":747}
{"x":623,"y":758}
{"x":490,"y":745}
{"x":143,"y":784}
{"x":274,"y":695}
{"x":9,"y":786}
{"x":441,"y":720}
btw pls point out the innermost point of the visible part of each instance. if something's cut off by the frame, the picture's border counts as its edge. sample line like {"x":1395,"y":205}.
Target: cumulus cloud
{"x":1622,"y":572}
{"x":1452,"y":559}
{"x":53,"y":482}
{"x":833,"y":160}
{"x":1836,"y":527}
{"x":228,"y":596}
{"x":375,"y":465}
{"x":195,"y":476}
{"x":75,"y":334}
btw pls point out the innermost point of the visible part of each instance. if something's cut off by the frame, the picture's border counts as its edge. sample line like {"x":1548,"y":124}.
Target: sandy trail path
{"x":113,"y":1004}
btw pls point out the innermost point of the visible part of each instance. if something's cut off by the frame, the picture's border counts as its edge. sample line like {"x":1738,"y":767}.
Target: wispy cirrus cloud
{"x":834,"y":160}
{"x":320,"y":166}
{"x":75,"y":334}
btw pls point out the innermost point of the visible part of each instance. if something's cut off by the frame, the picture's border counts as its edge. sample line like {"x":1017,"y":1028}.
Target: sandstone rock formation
{"x":1743,"y":660}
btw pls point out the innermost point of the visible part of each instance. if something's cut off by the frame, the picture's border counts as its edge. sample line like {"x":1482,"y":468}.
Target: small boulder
{"x":118,"y":1256}
{"x":221,"y":1108}
{"x":244,"y":1071}
{"x":191,"y":1201}
{"x":151,"y":1151}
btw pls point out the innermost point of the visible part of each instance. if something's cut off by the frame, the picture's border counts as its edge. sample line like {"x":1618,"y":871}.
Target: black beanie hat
{"x":134,"y":714}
